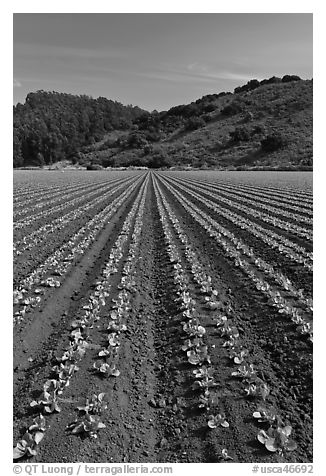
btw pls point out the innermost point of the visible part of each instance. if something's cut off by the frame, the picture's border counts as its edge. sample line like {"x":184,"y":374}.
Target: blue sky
{"x":158,"y":60}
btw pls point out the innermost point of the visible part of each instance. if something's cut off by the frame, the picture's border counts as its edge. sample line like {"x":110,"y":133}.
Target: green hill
{"x":266,"y":124}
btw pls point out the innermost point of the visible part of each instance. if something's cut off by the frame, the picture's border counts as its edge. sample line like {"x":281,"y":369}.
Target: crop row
{"x":59,"y":209}
{"x":52,"y":271}
{"x":254,"y":386}
{"x":292,"y":250}
{"x":247,"y":251}
{"x":88,"y":420}
{"x":42,"y":234}
{"x":299,"y":308}
{"x":252,"y":212}
{"x":294,"y":192}
{"x":281,"y":199}
{"x":30,"y":206}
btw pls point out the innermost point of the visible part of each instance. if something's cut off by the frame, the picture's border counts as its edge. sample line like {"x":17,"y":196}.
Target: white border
{"x":277,"y":6}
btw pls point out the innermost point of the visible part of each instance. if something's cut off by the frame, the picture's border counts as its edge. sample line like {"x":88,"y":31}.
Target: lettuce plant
{"x":115,"y":327}
{"x":265,"y":415}
{"x":51,"y":283}
{"x":198,"y":355}
{"x":229,"y":331}
{"x":75,"y":353}
{"x":231,"y":342}
{"x":193,"y":328}
{"x":79,"y":323}
{"x":89,"y":424}
{"x":25,"y":446}
{"x":212,"y":302}
{"x":206,"y":288}
{"x":189,"y":344}
{"x":48,"y":401}
{"x":238,"y":356}
{"x":204,"y":372}
{"x":244,"y":371}
{"x":277,"y":439}
{"x":208,"y":400}
{"x":305,"y":328}
{"x":257,"y":388}
{"x":38,"y":424}
{"x":65,"y":372}
{"x":220,"y":319}
{"x":218,"y":420}
{"x":106,"y":369}
{"x":76,"y":335}
{"x":224,"y":455}
{"x":95,"y":405}
{"x":204,"y":383}
{"x":113,"y":339}
{"x":105,"y":352}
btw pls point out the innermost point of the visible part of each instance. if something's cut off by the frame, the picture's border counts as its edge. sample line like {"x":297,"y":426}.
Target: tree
{"x":273,"y":142}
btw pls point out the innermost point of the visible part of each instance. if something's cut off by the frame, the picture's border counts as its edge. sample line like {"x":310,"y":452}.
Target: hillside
{"x":52,"y":126}
{"x":265,"y":124}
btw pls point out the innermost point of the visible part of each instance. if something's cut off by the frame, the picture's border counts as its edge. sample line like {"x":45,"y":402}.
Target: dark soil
{"x":152,"y":413}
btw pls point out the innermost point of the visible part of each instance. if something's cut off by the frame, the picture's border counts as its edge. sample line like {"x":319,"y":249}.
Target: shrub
{"x":273,"y":142}
{"x":207,"y":118}
{"x":250,"y":86}
{"x":210,"y":107}
{"x":258,"y":129}
{"x":272,"y":80}
{"x":136,"y":140}
{"x":94,"y":167}
{"x":235,"y":107}
{"x":288,"y":78}
{"x":194,"y":123}
{"x":158,"y":158}
{"x":240,"y":134}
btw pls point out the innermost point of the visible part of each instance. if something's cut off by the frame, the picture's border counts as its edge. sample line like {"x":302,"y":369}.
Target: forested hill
{"x":264,"y":124}
{"x":52,"y":126}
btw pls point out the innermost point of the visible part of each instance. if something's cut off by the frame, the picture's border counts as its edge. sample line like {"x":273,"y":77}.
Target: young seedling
{"x":208,"y":401}
{"x":212,"y":303}
{"x":258,"y":388}
{"x":206,"y":288}
{"x":94,"y":405}
{"x":26,"y":446}
{"x":265,"y":415}
{"x":229,"y":331}
{"x":218,"y":420}
{"x":113,"y":339}
{"x":38,"y":424}
{"x":220,"y":320}
{"x":115,"y":327}
{"x":65,"y":372}
{"x":189,"y":344}
{"x":277,"y":439}
{"x":238,"y":356}
{"x":204,"y":372}
{"x":244,"y":371}
{"x":89,"y":424}
{"x":106,"y":369}
{"x":32,"y":437}
{"x":193,"y":328}
{"x":205,"y":383}
{"x":224,"y":455}
{"x":48,"y":401}
{"x":198,"y":355}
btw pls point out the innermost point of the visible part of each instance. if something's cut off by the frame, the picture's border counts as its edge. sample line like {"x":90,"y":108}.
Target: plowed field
{"x":162,"y":317}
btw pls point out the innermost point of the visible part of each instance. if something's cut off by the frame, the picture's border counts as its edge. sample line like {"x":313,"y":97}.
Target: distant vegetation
{"x":265,"y":124}
{"x":53,"y":126}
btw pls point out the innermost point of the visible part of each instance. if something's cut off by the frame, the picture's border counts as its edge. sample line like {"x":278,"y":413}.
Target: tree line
{"x":53,"y":126}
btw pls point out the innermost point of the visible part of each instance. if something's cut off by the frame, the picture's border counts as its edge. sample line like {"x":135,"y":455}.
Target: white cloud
{"x":17,"y":84}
